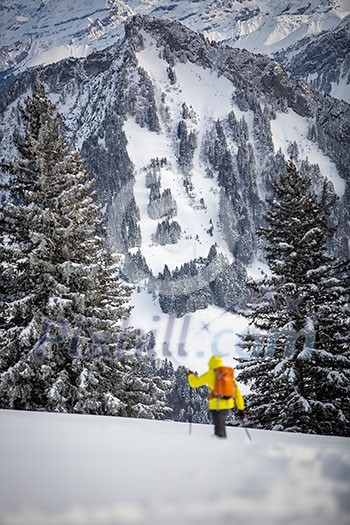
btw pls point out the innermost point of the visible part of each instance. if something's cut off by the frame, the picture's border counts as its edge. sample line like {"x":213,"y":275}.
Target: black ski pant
{"x":219,"y":419}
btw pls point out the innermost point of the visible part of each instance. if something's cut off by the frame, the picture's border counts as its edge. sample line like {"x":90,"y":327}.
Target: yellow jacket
{"x":208,"y":378}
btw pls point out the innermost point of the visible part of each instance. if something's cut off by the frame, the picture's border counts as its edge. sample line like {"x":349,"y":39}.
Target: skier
{"x":219,"y":405}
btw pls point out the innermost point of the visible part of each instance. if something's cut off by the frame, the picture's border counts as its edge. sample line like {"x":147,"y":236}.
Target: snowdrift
{"x":72,"y":469}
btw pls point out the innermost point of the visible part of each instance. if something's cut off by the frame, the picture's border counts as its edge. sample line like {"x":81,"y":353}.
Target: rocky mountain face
{"x":184,"y":137}
{"x":37,"y":32}
{"x":322,"y":60}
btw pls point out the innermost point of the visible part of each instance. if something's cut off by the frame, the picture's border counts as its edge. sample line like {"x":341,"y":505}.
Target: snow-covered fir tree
{"x":167,"y":232}
{"x":62,"y":299}
{"x":187,"y":404}
{"x":141,"y":388}
{"x":129,"y":386}
{"x":298,"y":351}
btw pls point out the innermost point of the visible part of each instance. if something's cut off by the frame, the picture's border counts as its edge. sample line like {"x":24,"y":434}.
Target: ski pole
{"x":190,"y":412}
{"x":248,"y":434}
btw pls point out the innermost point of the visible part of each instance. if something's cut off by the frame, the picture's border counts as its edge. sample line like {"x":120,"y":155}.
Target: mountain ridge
{"x":40,"y":32}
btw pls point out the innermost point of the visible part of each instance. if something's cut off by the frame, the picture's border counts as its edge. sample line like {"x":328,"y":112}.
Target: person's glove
{"x":241,"y":414}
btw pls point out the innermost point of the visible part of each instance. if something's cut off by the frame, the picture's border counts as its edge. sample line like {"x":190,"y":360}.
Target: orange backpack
{"x":225,"y":384}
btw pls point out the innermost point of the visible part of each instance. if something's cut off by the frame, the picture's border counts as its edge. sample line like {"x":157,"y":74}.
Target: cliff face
{"x":322,"y":60}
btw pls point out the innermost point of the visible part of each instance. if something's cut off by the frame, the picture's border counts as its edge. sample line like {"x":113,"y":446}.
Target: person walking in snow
{"x":224,"y":392}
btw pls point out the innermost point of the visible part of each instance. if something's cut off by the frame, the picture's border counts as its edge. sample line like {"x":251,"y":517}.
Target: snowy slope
{"x":37,"y":31}
{"x":192,"y":339}
{"x":289,"y":127}
{"x":91,"y":470}
{"x":209,"y":97}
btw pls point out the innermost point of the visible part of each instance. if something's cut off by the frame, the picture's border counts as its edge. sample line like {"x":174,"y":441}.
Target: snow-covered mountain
{"x":184,"y":137}
{"x":323,"y":60}
{"x":42,"y":31}
{"x":62,"y":469}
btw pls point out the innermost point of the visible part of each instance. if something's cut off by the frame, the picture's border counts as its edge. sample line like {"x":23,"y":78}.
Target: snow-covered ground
{"x":71,"y":469}
{"x":341,"y":90}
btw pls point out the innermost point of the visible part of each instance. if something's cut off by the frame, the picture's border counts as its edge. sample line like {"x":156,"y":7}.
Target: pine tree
{"x":299,"y":360}
{"x":185,"y":404}
{"x":127,"y":385}
{"x":60,"y":290}
{"x":141,"y":387}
